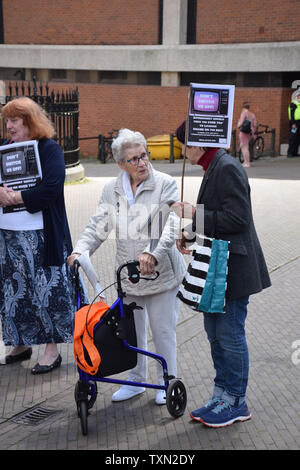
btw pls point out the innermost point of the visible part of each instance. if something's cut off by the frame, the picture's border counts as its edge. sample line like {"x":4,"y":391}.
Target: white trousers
{"x":162,"y":312}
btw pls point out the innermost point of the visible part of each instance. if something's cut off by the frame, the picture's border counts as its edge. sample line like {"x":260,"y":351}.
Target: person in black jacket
{"x":224,"y":203}
{"x":36,"y":305}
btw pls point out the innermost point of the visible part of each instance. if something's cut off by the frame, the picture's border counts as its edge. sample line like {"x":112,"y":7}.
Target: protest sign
{"x":20,"y":169}
{"x":210,"y":115}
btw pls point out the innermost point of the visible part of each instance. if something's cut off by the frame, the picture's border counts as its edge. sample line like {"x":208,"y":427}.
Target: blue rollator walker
{"x":115,"y":338}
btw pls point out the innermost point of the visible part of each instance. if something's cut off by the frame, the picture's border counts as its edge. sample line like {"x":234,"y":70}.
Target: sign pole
{"x":185,"y":141}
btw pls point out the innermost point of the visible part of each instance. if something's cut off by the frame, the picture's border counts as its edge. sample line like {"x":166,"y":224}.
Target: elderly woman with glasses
{"x":127,"y":204}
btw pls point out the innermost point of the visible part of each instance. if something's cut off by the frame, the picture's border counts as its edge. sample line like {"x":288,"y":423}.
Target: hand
{"x":7,"y":196}
{"x":72,"y":258}
{"x":184,"y":210}
{"x":147,"y":263}
{"x":181,"y":244}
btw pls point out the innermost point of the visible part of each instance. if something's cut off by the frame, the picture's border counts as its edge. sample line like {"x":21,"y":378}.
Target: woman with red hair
{"x":36,"y":283}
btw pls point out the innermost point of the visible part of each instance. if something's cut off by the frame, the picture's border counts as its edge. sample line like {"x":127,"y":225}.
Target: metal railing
{"x":63,"y":109}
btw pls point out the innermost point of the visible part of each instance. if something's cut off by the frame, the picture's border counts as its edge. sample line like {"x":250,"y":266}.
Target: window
{"x":129,"y":78}
{"x":191,"y":22}
{"x":107,"y":76}
{"x":241,"y":79}
{"x":12,"y":74}
{"x":82,"y":76}
{"x":57,"y":74}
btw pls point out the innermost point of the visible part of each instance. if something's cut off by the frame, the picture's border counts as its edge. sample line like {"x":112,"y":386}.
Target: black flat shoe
{"x":23,"y":356}
{"x":38,"y":369}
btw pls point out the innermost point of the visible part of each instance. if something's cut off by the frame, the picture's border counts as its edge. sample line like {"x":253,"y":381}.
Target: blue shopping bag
{"x":213,"y":295}
{"x":204,"y":285}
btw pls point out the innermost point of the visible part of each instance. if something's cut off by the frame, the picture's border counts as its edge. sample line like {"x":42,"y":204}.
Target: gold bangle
{"x":14,"y":197}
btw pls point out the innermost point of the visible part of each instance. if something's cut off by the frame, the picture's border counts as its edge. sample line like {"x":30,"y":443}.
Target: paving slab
{"x":140,"y":425}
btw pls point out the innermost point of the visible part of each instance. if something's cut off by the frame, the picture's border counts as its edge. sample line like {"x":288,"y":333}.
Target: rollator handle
{"x":76,"y":267}
{"x":133,"y":273}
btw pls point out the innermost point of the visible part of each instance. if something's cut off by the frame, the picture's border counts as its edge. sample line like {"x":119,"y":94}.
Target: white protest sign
{"x":210,"y":115}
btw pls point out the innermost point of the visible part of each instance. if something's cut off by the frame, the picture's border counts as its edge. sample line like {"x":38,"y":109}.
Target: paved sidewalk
{"x":139,"y":424}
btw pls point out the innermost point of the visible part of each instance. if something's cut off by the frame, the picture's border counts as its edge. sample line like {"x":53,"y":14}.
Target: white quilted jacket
{"x":133,"y":232}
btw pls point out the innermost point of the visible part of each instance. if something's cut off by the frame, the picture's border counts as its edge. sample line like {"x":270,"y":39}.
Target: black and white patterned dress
{"x":36,"y":302}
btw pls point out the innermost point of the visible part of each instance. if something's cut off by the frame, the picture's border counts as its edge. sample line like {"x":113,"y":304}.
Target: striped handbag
{"x":204,"y":285}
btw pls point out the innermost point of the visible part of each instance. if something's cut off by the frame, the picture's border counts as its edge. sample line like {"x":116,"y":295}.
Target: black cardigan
{"x":225,"y":193}
{"x":48,"y":197}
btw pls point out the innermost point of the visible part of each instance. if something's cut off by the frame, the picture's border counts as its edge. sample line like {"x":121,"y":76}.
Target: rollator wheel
{"x":89,"y":391}
{"x":82,"y":408}
{"x":259,"y":145}
{"x":176,"y":398}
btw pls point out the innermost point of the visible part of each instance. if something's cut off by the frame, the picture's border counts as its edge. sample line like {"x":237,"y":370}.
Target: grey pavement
{"x":138,"y":424}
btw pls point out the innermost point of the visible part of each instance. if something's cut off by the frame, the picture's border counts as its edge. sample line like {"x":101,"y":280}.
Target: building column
{"x":170,"y":79}
{"x":43,"y":75}
{"x":174,"y":33}
{"x":174,"y":22}
{"x":2,"y":92}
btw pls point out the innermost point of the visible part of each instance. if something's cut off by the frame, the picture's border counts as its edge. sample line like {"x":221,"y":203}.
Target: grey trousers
{"x":161,"y":311}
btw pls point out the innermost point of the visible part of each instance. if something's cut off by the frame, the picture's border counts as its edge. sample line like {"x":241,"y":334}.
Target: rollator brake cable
{"x":93,"y":301}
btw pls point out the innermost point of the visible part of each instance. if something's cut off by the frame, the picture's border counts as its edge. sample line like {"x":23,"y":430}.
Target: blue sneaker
{"x":224,"y":415}
{"x":197,"y":414}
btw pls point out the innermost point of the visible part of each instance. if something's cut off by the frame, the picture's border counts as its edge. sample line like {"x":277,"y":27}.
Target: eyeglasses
{"x":136,"y":160}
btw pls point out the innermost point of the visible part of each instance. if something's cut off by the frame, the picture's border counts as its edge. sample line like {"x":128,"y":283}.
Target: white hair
{"x":126,"y":139}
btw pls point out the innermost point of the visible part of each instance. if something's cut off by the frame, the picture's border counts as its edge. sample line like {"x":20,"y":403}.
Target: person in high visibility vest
{"x":294,"y":118}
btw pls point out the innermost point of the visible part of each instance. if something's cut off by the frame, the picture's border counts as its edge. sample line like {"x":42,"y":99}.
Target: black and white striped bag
{"x":204,"y":285}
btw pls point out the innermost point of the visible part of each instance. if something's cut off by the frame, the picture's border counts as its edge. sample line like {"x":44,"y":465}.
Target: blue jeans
{"x":229,"y":350}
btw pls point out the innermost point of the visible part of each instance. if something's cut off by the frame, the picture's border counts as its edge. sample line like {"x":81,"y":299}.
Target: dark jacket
{"x":225,"y":193}
{"x":48,"y":197}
